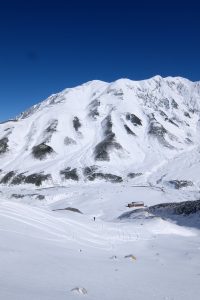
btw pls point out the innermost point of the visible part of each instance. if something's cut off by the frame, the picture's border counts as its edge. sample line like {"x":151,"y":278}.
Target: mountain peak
{"x":101,"y":130}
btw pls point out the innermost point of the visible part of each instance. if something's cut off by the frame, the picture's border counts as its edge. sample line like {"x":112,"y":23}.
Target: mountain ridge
{"x":101,"y":130}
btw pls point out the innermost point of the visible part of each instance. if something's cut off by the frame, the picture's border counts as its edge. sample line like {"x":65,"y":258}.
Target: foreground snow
{"x":47,"y":254}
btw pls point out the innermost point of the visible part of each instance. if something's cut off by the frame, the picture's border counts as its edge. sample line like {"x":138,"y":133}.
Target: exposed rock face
{"x":41,"y":151}
{"x":76,"y":210}
{"x":107,"y":177}
{"x":50,"y":130}
{"x":133,"y":175}
{"x":102,"y":149}
{"x":52,"y":126}
{"x":178,"y":184}
{"x":91,"y":175}
{"x":158,"y":131}
{"x":37,"y":179}
{"x":181,"y":208}
{"x":134,"y":119}
{"x":18,"y":179}
{"x":69,"y":173}
{"x":175,"y":211}
{"x":3,"y":145}
{"x":6,"y":178}
{"x":32,"y":196}
{"x":76,"y":123}
{"x":93,"y":109}
{"x":15,"y":179}
{"x":89,"y":171}
{"x":128,"y":130}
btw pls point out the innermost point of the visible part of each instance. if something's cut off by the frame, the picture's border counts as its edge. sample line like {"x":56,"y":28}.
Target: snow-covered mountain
{"x":62,"y":240}
{"x":119,"y":131}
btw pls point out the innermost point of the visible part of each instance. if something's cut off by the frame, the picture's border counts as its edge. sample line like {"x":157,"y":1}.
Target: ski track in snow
{"x":65,"y":228}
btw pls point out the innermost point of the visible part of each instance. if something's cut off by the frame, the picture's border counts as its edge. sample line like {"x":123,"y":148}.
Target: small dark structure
{"x":136,"y":204}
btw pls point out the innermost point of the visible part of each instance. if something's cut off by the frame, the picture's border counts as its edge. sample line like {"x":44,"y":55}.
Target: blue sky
{"x":47,"y":46}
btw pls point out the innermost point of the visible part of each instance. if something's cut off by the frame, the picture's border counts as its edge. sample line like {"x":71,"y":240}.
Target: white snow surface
{"x":48,"y":252}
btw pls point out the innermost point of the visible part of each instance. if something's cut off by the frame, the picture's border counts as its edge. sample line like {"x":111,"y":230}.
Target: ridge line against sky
{"x":47,"y":46}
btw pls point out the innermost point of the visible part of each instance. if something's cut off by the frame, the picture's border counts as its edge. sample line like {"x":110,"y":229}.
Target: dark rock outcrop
{"x":134,"y":119}
{"x":52,"y":126}
{"x":177,"y":208}
{"x":91,"y":175}
{"x":6,"y":178}
{"x":18,"y":179}
{"x":50,"y":130}
{"x":158,"y":131}
{"x":70,"y":209}
{"x":18,"y":196}
{"x":133,"y":175}
{"x":15,"y":179}
{"x":37,"y":178}
{"x":69,"y":173}
{"x":128,"y":130}
{"x":41,"y":151}
{"x":101,"y":151}
{"x":89,"y":171}
{"x":186,"y":213}
{"x":76,"y":123}
{"x":93,"y":109}
{"x":178,"y":184}
{"x":174,"y":104}
{"x":3,"y":145}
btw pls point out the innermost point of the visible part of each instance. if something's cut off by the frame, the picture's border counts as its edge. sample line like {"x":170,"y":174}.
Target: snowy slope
{"x":47,"y":254}
{"x":125,"y":130}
